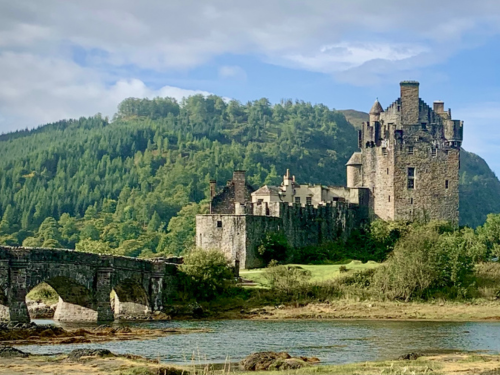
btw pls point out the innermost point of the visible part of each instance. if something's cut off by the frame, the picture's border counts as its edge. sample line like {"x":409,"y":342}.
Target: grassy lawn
{"x":320,"y":272}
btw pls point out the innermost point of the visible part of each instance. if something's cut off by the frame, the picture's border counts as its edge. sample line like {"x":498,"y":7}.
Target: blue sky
{"x":70,"y":59}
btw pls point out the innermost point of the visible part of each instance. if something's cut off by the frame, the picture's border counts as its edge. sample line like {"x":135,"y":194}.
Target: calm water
{"x":333,"y":342}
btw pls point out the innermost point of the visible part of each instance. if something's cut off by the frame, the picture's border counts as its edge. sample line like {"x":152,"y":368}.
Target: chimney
{"x":213,"y":188}
{"x":409,"y":102}
{"x":438,"y":106}
{"x":287,"y":178}
{"x":239,"y":182}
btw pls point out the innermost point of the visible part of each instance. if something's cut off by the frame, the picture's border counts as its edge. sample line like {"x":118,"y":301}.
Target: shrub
{"x":425,"y":262}
{"x":287,"y":281}
{"x":343,"y":269}
{"x":274,"y":246}
{"x":206,"y":274}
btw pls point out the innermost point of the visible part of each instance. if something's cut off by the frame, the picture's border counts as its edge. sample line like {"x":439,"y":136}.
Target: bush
{"x":206,"y":274}
{"x":287,"y":281}
{"x":424,"y":263}
{"x":343,"y":269}
{"x":274,"y":246}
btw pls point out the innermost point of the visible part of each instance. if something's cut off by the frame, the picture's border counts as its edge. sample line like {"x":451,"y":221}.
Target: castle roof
{"x":267,"y":190}
{"x":355,"y":159}
{"x":376,"y":108}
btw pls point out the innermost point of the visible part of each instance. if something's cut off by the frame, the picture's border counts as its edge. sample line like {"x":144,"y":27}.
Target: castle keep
{"x":409,"y":159}
{"x":406,"y":169}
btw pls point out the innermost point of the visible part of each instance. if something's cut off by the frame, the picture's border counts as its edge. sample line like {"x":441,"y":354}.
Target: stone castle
{"x":406,"y":169}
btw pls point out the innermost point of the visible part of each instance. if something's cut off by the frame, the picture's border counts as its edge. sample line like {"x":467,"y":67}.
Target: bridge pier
{"x":156,"y":292}
{"x":16,"y":294}
{"x":102,"y":293}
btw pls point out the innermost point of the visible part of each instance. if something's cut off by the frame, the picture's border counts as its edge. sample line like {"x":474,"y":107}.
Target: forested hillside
{"x":133,"y":185}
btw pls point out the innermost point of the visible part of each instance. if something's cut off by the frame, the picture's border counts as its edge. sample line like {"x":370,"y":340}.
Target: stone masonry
{"x":83,"y":281}
{"x":409,"y":159}
{"x":406,"y":169}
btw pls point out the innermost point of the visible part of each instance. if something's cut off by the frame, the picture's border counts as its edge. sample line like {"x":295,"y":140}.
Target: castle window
{"x":219,"y":224}
{"x":410,"y":150}
{"x":259,"y":201}
{"x":424,"y":126}
{"x":446,"y":152}
{"x":411,"y":178}
{"x":309,"y":201}
{"x":446,"y":184}
{"x":297,"y":200}
{"x":384,"y":151}
{"x":434,"y":152}
{"x":411,"y":200}
{"x":389,"y":198}
{"x":387,"y":170}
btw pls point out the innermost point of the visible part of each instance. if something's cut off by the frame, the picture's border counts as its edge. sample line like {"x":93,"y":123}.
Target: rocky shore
{"x":33,"y":334}
{"x":102,"y":361}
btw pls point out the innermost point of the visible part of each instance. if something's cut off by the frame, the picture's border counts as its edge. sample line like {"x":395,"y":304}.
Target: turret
{"x":354,"y":166}
{"x":375,"y":111}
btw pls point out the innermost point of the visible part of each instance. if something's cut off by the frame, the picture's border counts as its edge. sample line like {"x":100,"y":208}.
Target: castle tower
{"x":410,"y":159}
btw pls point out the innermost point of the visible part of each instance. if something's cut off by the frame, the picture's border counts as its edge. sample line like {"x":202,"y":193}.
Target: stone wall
{"x":239,"y":236}
{"x":226,"y":233}
{"x":83,"y":281}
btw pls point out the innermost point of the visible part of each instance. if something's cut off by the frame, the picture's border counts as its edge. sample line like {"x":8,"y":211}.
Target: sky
{"x":66,"y":59}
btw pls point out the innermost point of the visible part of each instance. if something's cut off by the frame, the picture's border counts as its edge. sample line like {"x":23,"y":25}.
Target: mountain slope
{"x":133,"y":186}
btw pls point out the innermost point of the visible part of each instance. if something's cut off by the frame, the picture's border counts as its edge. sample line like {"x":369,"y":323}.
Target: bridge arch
{"x":130,"y":298}
{"x":83,"y":281}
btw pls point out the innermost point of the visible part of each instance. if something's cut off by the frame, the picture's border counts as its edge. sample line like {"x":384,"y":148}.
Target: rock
{"x":169,"y":371}
{"x":77,"y":354}
{"x":123,"y":330}
{"x":288,"y":364}
{"x":262,"y":361}
{"x":10,"y":352}
{"x":410,"y":356}
{"x":75,"y":340}
{"x":265,"y":361}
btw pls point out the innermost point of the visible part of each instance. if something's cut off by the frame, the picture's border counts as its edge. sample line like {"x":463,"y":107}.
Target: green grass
{"x":319,"y":273}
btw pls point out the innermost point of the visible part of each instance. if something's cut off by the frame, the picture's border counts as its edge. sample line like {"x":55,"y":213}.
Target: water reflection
{"x":332,"y":341}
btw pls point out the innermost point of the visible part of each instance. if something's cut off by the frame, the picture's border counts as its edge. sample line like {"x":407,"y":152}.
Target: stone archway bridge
{"x":84,"y":282}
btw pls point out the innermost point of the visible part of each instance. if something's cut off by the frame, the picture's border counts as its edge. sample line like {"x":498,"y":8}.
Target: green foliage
{"x":90,"y":246}
{"x":287,"y":281}
{"x":274,"y":246}
{"x":425,"y":262}
{"x":206,"y":274}
{"x":145,"y":175}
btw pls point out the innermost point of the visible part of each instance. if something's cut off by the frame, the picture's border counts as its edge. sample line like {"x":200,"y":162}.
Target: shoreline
{"x":98,"y":361}
{"x":482,"y":311}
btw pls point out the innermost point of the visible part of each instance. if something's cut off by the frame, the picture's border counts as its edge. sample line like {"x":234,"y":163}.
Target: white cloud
{"x":347,"y":55}
{"x":359,"y":42}
{"x":41,"y":90}
{"x":232,"y":71}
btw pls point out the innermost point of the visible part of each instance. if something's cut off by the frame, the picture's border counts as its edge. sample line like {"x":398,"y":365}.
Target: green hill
{"x":133,"y":185}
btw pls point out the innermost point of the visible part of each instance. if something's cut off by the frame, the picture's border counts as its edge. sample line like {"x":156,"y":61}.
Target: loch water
{"x":333,"y":342}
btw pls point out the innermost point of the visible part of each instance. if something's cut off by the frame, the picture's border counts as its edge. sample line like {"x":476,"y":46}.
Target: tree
{"x":49,"y":230}
{"x":182,"y":229}
{"x":207,"y":274}
{"x":90,"y":232}
{"x":154,"y":223}
{"x":90,"y":246}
